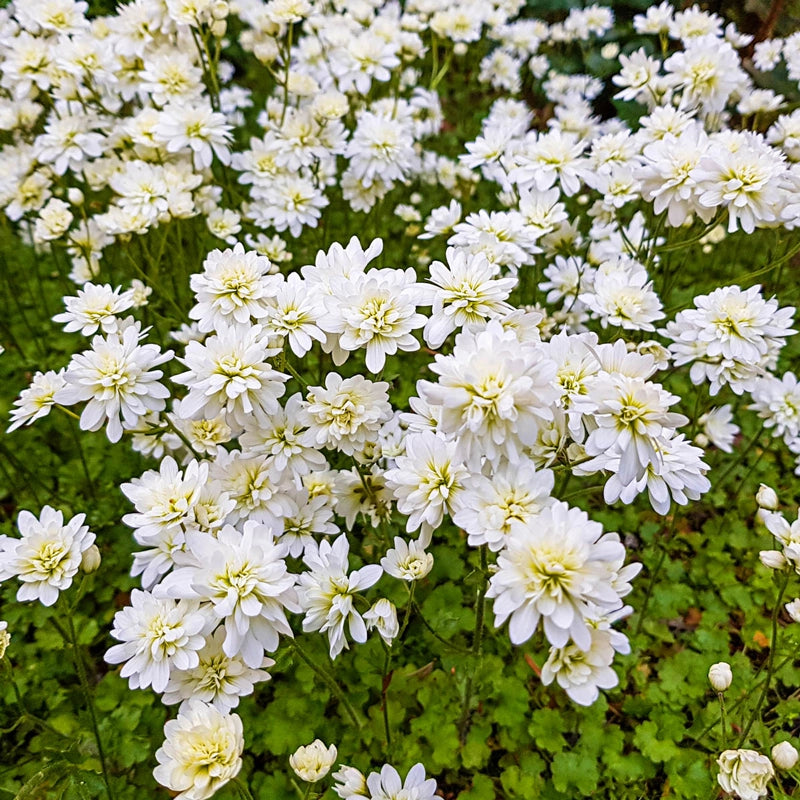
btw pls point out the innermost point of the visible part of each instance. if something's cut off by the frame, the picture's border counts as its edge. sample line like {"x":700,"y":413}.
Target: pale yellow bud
{"x":772,"y":559}
{"x":766,"y":497}
{"x":720,"y":676}
{"x":90,"y":560}
{"x":784,"y":755}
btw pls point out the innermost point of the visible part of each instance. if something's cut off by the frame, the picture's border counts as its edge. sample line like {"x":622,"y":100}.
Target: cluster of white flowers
{"x":123,"y":127}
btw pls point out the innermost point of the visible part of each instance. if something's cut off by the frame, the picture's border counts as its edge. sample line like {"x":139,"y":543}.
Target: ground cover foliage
{"x":550,"y":393}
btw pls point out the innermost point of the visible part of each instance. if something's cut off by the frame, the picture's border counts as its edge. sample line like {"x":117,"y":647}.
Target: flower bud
{"x":767,"y":498}
{"x":720,"y":676}
{"x":313,"y":762}
{"x":90,"y":560}
{"x":218,"y":28}
{"x":460,"y":49}
{"x":793,"y":609}
{"x":5,"y":638}
{"x":610,"y":50}
{"x":784,"y":755}
{"x":773,"y":559}
{"x":383,"y":617}
{"x":75,"y":196}
{"x":350,"y":783}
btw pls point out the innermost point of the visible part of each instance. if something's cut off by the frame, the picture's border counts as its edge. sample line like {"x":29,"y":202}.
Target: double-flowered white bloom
{"x":202,"y":751}
{"x":558,"y":572}
{"x":47,"y":556}
{"x":326,"y":593}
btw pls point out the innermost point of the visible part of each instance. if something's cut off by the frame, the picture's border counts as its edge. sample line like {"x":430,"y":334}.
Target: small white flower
{"x":47,"y":556}
{"x":408,"y":561}
{"x":383,"y":617}
{"x":313,"y":762}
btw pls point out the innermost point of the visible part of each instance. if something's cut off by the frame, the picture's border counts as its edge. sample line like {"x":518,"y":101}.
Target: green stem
{"x":477,"y":646}
{"x":723,"y":723}
{"x":330,"y":681}
{"x":651,"y":583}
{"x":241,"y":787}
{"x":436,"y":635}
{"x":385,"y":680}
{"x":407,"y":615}
{"x":88,"y":695}
{"x":773,"y":646}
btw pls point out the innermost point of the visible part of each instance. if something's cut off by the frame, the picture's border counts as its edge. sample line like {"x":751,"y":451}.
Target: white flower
{"x":157,"y":635}
{"x":767,"y":498}
{"x":202,"y":751}
{"x":427,"y":481}
{"x":719,"y":428}
{"x":408,"y":561}
{"x":243,"y":575}
{"x":313,"y":762}
{"x":294,"y":313}
{"x":350,"y":783}
{"x":632,"y":414}
{"x":778,"y":404}
{"x":347,"y":412}
{"x":745,"y":773}
{"x":95,"y":307}
{"x":232,"y":289}
{"x":376,"y":312}
{"x":197,"y":128}
{"x":622,"y":295}
{"x":326,"y":593}
{"x":5,"y":638}
{"x":466,"y":290}
{"x":386,"y":785}
{"x":218,"y":679}
{"x":47,"y":556}
{"x":582,"y":672}
{"x":743,"y":181}
{"x":493,"y":394}
{"x":281,"y":436}
{"x":381,"y":147}
{"x":117,"y":380}
{"x":36,"y":401}
{"x":496,"y":506}
{"x":166,"y":498}
{"x":731,"y":335}
{"x":230,"y":374}
{"x":558,"y":571}
{"x":382,"y":616}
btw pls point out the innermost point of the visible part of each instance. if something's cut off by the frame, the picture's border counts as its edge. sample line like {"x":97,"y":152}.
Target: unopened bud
{"x":5,"y":638}
{"x":75,"y":196}
{"x":772,"y":559}
{"x":220,"y":9}
{"x":785,"y":755}
{"x":218,"y":28}
{"x":767,"y":497}
{"x":793,"y":609}
{"x":460,"y":49}
{"x":610,"y":50}
{"x":90,"y":560}
{"x":720,"y":676}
